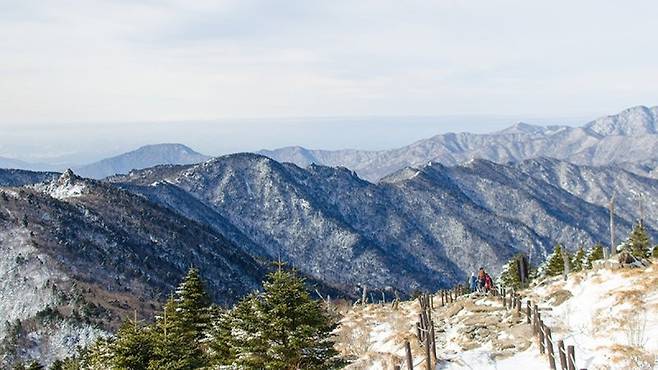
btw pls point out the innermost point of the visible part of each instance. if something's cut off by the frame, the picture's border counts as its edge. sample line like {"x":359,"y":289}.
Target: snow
{"x":66,"y":191}
{"x":23,"y":277}
{"x":611,"y":318}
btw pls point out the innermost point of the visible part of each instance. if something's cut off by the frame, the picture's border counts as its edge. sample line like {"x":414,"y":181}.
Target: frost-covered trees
{"x":133,"y":347}
{"x":554,"y":264}
{"x":594,"y":254}
{"x":282,"y":328}
{"x":511,"y":276}
{"x":579,"y":260}
{"x":638,"y":243}
{"x":175,"y":344}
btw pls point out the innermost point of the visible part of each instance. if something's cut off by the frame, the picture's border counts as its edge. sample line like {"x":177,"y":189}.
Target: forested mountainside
{"x":79,"y":255}
{"x":630,"y":136}
{"x":418,"y":228}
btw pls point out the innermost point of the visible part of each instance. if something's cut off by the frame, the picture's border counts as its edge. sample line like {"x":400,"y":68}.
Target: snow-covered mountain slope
{"x":79,"y":255}
{"x":144,"y":157}
{"x":610,"y":316}
{"x":629,"y":136}
{"x":419,"y":228}
{"x":634,"y":195}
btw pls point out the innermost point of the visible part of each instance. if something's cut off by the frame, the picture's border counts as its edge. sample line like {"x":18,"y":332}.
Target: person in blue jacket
{"x":472,"y":282}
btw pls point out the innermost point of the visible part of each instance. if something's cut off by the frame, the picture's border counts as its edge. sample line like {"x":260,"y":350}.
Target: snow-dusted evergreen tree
{"x":655,"y":251}
{"x":579,"y":260}
{"x":638,"y":243}
{"x":193,"y":304}
{"x":177,"y":342}
{"x":96,"y":357}
{"x":509,"y":277}
{"x":554,"y":264}
{"x":594,"y":254}
{"x":218,"y":338}
{"x":132,"y":347}
{"x":34,"y":365}
{"x":283,"y":328}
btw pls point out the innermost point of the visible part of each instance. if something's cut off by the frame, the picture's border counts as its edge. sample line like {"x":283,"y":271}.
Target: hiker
{"x":481,"y":280}
{"x":488,"y":283}
{"x":472,"y":282}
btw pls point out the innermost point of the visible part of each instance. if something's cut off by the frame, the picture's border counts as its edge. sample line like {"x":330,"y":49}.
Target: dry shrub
{"x":353,"y":340}
{"x":635,"y":328}
{"x":634,"y":297}
{"x":631,"y":357}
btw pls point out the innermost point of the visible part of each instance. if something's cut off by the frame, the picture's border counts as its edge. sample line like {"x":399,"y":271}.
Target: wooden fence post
{"x":571,"y":357}
{"x":541,"y":337}
{"x":528,"y":312}
{"x":563,"y":354}
{"x":518,"y":305}
{"x":433,"y":336}
{"x":410,"y":360}
{"x":549,"y":348}
{"x":535,"y":319}
{"x":428,"y":360}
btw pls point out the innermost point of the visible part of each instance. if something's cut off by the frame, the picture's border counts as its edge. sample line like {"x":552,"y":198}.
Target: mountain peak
{"x":143,"y":157}
{"x":634,"y":121}
{"x":68,"y":176}
{"x":522,"y":128}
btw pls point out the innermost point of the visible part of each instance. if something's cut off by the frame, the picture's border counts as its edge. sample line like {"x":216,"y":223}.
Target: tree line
{"x":637,"y":247}
{"x":278,"y":328}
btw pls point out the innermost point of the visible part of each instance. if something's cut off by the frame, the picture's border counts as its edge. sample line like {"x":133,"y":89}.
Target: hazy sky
{"x":94,"y":68}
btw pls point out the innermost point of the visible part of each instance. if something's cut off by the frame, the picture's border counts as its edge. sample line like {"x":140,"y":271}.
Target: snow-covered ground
{"x":610,"y":316}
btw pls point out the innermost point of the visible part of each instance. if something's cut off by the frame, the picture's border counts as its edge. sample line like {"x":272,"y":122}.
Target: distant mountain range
{"x":143,"y":157}
{"x":628,"y":137}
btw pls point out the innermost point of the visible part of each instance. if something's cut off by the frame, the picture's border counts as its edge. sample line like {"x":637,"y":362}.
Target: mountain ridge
{"x":599,"y":142}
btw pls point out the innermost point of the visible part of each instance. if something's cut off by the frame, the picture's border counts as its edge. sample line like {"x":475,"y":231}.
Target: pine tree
{"x":132,"y":348}
{"x":594,"y":254}
{"x":638,"y":243}
{"x":193,"y":304}
{"x":579,"y":260}
{"x":510,"y":275}
{"x":35,"y":366}
{"x":247,"y":345}
{"x":57,"y":365}
{"x":219,"y":338}
{"x":178,"y":332}
{"x":283,"y":328}
{"x":95,"y":357}
{"x":655,"y":252}
{"x":554,"y":264}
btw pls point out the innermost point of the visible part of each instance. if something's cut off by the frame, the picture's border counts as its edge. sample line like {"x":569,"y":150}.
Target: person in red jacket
{"x":488,"y":283}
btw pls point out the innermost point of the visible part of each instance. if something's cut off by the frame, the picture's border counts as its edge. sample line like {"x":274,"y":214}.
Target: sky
{"x":81,"y":79}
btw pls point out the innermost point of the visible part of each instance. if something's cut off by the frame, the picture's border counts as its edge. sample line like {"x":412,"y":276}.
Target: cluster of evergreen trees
{"x":279,"y":328}
{"x":638,"y":245}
